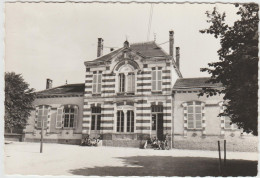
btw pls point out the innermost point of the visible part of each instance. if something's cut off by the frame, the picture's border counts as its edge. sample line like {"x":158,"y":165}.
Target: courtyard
{"x":58,"y":159}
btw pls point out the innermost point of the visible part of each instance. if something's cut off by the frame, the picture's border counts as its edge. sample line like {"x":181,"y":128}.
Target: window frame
{"x":97,"y":83}
{"x":60,"y":117}
{"x":122,"y":82}
{"x":194,"y":114}
{"x":97,"y":118}
{"x":156,"y":79}
{"x":45,"y":122}
{"x":130,"y":121}
{"x":232,"y":126}
{"x":70,"y":119}
{"x":120,"y":122}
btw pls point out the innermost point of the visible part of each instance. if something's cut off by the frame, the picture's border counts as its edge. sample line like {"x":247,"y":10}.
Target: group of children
{"x":87,"y":141}
{"x":157,"y":144}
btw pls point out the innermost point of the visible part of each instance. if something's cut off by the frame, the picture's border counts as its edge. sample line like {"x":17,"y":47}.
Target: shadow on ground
{"x":171,"y":166}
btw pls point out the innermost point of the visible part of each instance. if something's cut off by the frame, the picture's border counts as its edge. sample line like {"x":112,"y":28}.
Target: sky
{"x":52,"y":40}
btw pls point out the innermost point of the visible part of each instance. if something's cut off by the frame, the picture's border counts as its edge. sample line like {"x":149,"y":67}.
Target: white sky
{"x":52,"y":40}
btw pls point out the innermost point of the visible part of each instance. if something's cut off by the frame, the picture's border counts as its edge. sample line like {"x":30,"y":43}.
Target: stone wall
{"x":243,"y":144}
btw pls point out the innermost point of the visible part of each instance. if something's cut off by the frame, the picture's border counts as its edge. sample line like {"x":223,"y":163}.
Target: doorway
{"x":157,"y":121}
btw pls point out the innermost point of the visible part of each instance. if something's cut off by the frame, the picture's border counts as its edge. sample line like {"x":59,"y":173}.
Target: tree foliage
{"x":18,"y":101}
{"x":237,"y":68}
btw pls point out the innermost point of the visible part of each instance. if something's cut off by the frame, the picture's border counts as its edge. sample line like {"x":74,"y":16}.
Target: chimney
{"x":178,"y":57}
{"x":111,"y":49}
{"x":100,"y":47}
{"x":126,"y":44}
{"x":171,"y":42}
{"x":48,"y":83}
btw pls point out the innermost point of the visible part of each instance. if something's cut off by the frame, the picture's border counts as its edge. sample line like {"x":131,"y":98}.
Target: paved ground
{"x":57,"y":159}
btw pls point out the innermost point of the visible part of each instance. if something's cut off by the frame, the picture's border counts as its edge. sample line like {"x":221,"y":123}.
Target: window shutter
{"x":159,"y":80}
{"x":94,"y":83}
{"x":75,"y":117}
{"x":99,"y":84}
{"x":59,"y":118}
{"x":153,"y":80}
{"x":133,"y":82}
{"x":129,"y":83}
{"x":227,"y":123}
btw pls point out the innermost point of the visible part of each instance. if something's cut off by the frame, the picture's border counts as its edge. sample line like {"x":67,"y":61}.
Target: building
{"x":128,"y":93}
{"x":61,"y":109}
{"x":131,"y":94}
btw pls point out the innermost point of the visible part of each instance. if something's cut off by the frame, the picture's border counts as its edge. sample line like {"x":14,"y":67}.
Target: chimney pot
{"x":126,"y":44}
{"x":178,"y":57}
{"x":171,"y":42}
{"x":48,"y":83}
{"x":100,"y":47}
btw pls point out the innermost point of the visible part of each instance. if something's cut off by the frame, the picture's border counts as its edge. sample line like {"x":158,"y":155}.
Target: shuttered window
{"x":42,"y":117}
{"x":156,"y":80}
{"x":228,"y":123}
{"x":59,"y":118}
{"x":131,"y":82}
{"x":194,"y":115}
{"x":96,"y":83}
{"x":67,"y":116}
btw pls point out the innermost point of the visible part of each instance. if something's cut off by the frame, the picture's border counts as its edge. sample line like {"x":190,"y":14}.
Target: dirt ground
{"x":57,"y":159}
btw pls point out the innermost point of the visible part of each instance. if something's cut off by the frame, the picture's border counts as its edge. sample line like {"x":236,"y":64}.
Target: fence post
{"x":219,"y":155}
{"x":225,"y":156}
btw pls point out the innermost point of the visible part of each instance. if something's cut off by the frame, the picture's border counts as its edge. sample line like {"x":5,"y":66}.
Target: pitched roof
{"x":64,"y":90}
{"x":148,"y":49}
{"x":145,"y":49}
{"x":188,"y":83}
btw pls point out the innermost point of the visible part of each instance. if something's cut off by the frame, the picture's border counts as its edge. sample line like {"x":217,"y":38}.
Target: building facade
{"x":128,"y":94}
{"x":131,"y":94}
{"x":60,"y":111}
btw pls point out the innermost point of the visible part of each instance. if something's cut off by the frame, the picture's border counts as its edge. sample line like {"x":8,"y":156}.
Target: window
{"x":131,"y":83}
{"x":156,"y":80}
{"x":97,"y":83}
{"x":120,"y":121}
{"x":67,"y":116}
{"x":130,"y":121}
{"x":194,"y":115}
{"x":42,"y":116}
{"x":96,"y":118}
{"x":121,"y":82}
{"x":157,"y":111}
{"x":153,"y":122}
{"x":228,"y":124}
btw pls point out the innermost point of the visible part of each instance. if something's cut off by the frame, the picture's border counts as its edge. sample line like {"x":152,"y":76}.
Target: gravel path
{"x":57,"y":159}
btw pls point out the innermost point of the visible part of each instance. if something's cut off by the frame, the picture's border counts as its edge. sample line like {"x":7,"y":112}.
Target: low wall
{"x":242,"y":144}
{"x":14,"y":137}
{"x":61,"y":141}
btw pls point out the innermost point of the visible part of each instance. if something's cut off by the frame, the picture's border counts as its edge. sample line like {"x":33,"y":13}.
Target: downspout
{"x":172,"y":130}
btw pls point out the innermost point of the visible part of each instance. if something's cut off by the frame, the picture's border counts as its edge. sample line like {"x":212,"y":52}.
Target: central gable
{"x":128,"y":58}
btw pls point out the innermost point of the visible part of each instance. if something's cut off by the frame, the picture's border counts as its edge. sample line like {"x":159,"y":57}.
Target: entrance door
{"x":160,"y":126}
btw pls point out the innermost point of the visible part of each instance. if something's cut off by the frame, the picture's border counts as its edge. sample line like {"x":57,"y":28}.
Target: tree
{"x":237,"y":68}
{"x":18,"y":101}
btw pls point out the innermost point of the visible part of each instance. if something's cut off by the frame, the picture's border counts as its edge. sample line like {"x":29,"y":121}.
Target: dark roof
{"x":146,"y":49}
{"x":64,"y":90}
{"x":187,"y":83}
{"x":107,"y":56}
